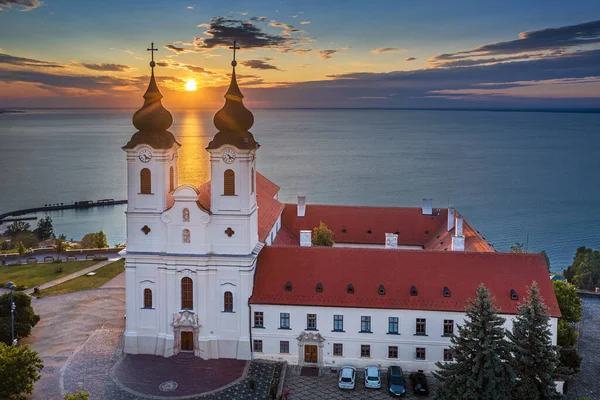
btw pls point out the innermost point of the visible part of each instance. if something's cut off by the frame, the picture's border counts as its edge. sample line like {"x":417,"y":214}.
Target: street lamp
{"x":12,"y":287}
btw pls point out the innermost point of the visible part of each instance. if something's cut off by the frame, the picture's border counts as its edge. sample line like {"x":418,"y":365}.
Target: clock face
{"x":229,"y":156}
{"x":145,"y":155}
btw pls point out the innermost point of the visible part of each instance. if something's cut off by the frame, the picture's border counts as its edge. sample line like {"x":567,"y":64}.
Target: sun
{"x":190,"y":85}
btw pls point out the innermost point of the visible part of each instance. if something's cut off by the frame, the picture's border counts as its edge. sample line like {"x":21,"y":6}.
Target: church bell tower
{"x":151,"y":171}
{"x":233,"y":173}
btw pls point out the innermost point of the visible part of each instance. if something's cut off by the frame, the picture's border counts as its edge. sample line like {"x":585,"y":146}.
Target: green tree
{"x":94,"y":240}
{"x":570,"y":359}
{"x":535,"y":359}
{"x":568,"y":301}
{"x":60,"y":246}
{"x":78,"y":395}
{"x":19,"y":369}
{"x":584,"y":272}
{"x":28,"y":239}
{"x":25,"y":317}
{"x":44,"y":229}
{"x":517,"y":248}
{"x":566,"y":334}
{"x":21,"y":250}
{"x":322,"y":236}
{"x":481,"y":370}
{"x":17,"y":227}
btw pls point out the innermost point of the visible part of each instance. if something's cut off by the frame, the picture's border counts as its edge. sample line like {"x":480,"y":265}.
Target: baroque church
{"x":226,"y":270}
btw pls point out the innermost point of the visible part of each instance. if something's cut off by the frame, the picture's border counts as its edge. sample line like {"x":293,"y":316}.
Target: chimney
{"x":391,"y":241}
{"x":450,"y":219}
{"x":301,"y":206}
{"x":305,"y":238}
{"x":427,"y":207}
{"x":458,"y":240}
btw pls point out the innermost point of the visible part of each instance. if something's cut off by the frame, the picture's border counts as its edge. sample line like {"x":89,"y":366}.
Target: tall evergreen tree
{"x":480,"y":352}
{"x":535,"y":360}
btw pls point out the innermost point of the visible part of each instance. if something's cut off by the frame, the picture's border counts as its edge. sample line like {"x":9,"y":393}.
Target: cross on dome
{"x":152,"y":49}
{"x":234,"y":48}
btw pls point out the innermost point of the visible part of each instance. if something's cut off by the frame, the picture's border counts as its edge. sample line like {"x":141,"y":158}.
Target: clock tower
{"x":233,"y":173}
{"x":151,"y":172}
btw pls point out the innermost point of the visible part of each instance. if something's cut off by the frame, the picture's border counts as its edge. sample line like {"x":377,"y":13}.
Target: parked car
{"x":419,"y":383}
{"x":347,"y":378}
{"x":372,"y":378}
{"x":396,"y":385}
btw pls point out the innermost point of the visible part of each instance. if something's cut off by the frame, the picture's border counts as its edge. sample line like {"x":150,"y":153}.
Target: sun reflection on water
{"x":193,"y":129}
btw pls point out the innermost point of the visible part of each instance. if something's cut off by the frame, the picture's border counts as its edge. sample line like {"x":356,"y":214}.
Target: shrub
{"x":322,"y":236}
{"x":567,"y":336}
{"x":570,"y":359}
{"x":19,"y":369}
{"x":78,"y":395}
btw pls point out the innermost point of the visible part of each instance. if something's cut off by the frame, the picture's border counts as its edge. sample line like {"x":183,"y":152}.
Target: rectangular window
{"x":365,"y":324}
{"x":284,"y":347}
{"x":392,"y":351}
{"x":420,"y":354}
{"x":421,"y":326}
{"x":393,"y":325}
{"x":311,"y":321}
{"x":338,"y":323}
{"x":365,"y":350}
{"x":284,"y":320}
{"x":258,"y":319}
{"x":338,"y":349}
{"x":448,"y":355}
{"x":448,"y":327}
{"x":258,"y":346}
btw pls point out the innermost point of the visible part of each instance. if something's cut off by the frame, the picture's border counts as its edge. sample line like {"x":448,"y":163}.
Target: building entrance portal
{"x":311,"y":353}
{"x":187,"y":341}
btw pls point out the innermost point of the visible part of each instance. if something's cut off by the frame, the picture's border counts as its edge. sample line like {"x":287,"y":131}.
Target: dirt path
{"x":66,"y":322}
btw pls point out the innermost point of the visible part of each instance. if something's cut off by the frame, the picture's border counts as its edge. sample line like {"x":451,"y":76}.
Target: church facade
{"x":226,"y":270}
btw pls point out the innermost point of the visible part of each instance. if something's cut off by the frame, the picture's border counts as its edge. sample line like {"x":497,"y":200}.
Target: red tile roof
{"x":366,"y":269}
{"x":269,"y":209}
{"x":414,"y":228}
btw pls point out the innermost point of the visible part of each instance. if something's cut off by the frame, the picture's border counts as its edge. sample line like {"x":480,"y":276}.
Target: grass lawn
{"x":85,"y":282}
{"x":31,"y":275}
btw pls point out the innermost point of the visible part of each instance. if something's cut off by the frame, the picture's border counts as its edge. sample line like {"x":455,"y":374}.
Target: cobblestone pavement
{"x":325,"y":387}
{"x":586,"y":382}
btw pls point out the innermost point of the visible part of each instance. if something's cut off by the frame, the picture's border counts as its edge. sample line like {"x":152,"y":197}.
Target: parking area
{"x":325,"y":387}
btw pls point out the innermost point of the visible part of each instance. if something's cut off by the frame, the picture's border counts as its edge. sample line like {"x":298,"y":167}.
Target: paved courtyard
{"x":325,"y":387}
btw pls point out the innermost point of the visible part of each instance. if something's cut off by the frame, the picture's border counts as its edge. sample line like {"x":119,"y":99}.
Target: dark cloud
{"x":327,"y":54}
{"x":25,"y":5}
{"x":410,"y":59}
{"x":177,"y":65}
{"x":178,"y":50}
{"x":259,"y":64}
{"x":383,"y":50}
{"x":258,"y":19}
{"x":66,"y":81}
{"x":27,"y":62}
{"x":549,"y":39}
{"x":106,"y":67}
{"x":223,"y":31}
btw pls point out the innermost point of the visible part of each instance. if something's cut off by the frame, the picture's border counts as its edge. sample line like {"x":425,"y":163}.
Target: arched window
{"x":185,"y":236}
{"x":186,"y":215}
{"x":252,"y":180}
{"x":228,"y":302}
{"x":147,"y":298}
{"x":229,"y":185}
{"x":145,"y":181}
{"x":187,"y":294}
{"x":171,"y":179}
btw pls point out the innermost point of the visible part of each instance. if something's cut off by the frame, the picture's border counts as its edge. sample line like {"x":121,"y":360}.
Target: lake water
{"x":513,"y":175}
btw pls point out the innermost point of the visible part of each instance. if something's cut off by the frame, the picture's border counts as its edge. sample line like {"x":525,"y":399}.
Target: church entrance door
{"x":187,"y":341}
{"x":310,"y":353}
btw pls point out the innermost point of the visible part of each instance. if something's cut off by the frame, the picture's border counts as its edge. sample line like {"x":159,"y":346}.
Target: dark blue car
{"x":396,"y":385}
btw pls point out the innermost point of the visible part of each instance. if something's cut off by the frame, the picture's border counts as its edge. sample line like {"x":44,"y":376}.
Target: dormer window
{"x":288,"y":286}
{"x":344,"y":230}
{"x":397,"y":232}
{"x":427,"y":232}
{"x":369,"y":232}
{"x":513,"y":294}
{"x":381,"y":290}
{"x":447,"y":292}
{"x":413,"y":290}
{"x":319,"y":288}
{"x":350,"y":288}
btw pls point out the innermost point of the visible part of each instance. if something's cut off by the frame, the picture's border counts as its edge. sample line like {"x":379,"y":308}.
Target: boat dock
{"x":59,"y":206}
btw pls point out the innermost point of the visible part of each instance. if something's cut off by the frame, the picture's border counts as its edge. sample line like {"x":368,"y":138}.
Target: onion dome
{"x":233,"y":120}
{"x":152,"y":120}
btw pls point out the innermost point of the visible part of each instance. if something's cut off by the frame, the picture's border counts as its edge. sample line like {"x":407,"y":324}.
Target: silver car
{"x":372,"y":377}
{"x":347,"y":378}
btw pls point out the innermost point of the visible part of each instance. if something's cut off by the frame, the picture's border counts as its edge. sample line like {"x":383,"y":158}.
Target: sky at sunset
{"x":333,"y":53}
